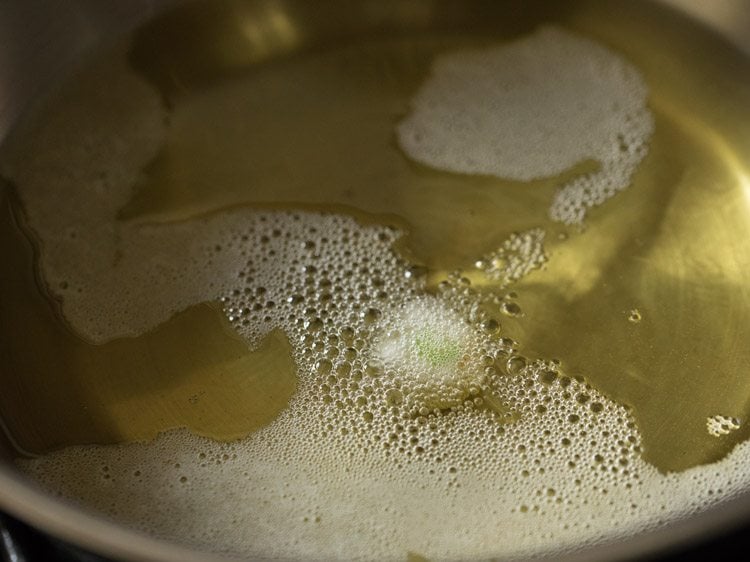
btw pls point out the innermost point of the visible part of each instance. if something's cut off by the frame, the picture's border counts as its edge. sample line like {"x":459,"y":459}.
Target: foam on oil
{"x":533,"y":109}
{"x":418,"y":424}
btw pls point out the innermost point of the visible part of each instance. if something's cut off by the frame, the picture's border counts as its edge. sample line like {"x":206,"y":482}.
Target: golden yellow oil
{"x":192,"y":372}
{"x":295,"y":105}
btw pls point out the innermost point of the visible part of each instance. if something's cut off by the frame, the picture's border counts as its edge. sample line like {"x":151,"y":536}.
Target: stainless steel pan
{"x":40,"y":40}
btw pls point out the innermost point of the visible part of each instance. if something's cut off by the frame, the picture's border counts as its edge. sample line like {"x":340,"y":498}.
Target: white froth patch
{"x":518,"y":256}
{"x":719,"y":425}
{"x":75,"y":169}
{"x":77,"y":166}
{"x":431,"y":352}
{"x":532,"y":109}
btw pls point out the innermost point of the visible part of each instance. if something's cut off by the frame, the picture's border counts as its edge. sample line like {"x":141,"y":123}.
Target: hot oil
{"x":293,"y":109}
{"x":667,"y":247}
{"x":193,"y":371}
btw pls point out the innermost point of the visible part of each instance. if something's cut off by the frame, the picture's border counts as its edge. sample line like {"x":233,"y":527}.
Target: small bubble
{"x":323,"y":367}
{"x":347,"y":334}
{"x":547,"y":377}
{"x":343,"y":369}
{"x":508,"y":344}
{"x":491,"y":325}
{"x":314,"y":325}
{"x":415,"y":272}
{"x":371,"y":315}
{"x":516,"y":364}
{"x":394,"y":397}
{"x":374,"y":370}
{"x":511,"y":309}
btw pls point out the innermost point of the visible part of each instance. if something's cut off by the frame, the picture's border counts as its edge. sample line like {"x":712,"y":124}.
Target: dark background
{"x":21,"y":543}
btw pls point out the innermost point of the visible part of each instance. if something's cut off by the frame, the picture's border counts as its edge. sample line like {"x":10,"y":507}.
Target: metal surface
{"x":39,"y":42}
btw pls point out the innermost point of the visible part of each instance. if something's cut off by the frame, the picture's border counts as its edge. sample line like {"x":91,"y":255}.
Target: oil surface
{"x":284,"y":112}
{"x":289,"y":103}
{"x":670,"y":246}
{"x":192,"y":371}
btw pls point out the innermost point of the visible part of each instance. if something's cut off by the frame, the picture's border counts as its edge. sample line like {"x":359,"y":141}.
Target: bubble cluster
{"x":431,"y":355}
{"x":418,"y":425}
{"x":531,"y":109}
{"x":635,"y":316}
{"x":518,"y":256}
{"x":722,"y":425}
